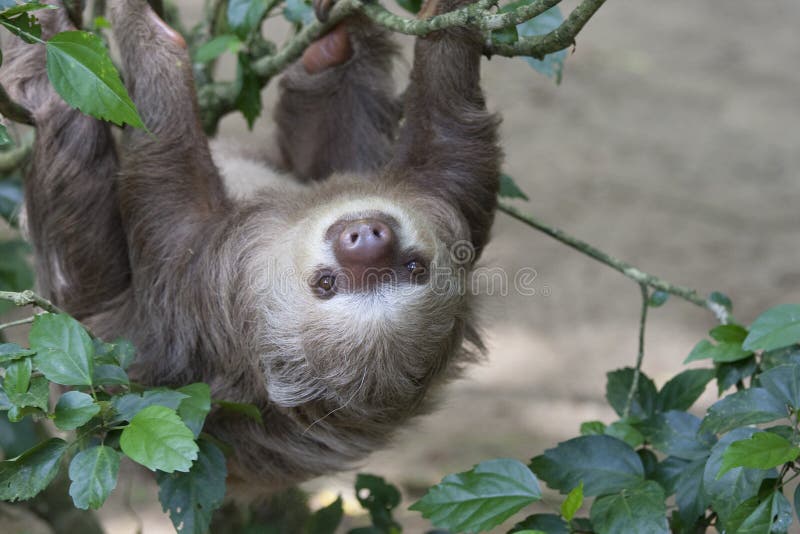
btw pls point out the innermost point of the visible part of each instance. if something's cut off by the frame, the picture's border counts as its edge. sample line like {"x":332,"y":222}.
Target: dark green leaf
{"x":244,"y":16}
{"x":18,"y":377}
{"x":682,"y":390}
{"x":412,"y":6}
{"x":757,"y":516}
{"x":604,"y":465}
{"x":37,"y":396}
{"x":24,"y":26}
{"x":15,"y":273}
{"x":64,"y":351}
{"x":640,"y":508}
{"x":689,"y":495}
{"x":677,"y":434}
{"x":735,"y":486}
{"x":669,"y":471}
{"x":158,"y":439}
{"x":730,"y":374}
{"x":775,"y":328}
{"x":781,"y":513}
{"x":549,"y":523}
{"x":26,"y":475}
{"x":774,"y":358}
{"x":81,"y":71}
{"x":218,"y":46}
{"x":784,"y":383}
{"x":552,"y":65}
{"x":657,"y":299}
{"x":481,"y":498}
{"x":379,"y":498}
{"x":24,"y":8}
{"x":649,"y":462}
{"x":242,"y":408}
{"x":593,"y":428}
{"x":93,"y":473}
{"x":191,"y":498}
{"x":124,"y":352}
{"x":722,"y":299}
{"x":729,"y":333}
{"x":762,"y":450}
{"x":746,"y":407}
{"x":195,"y":407}
{"x":75,"y":409}
{"x":327,"y":519}
{"x":16,"y":438}
{"x":110,"y":375}
{"x":248,"y":100}
{"x":127,"y":406}
{"x":618,"y":386}
{"x":572,"y":503}
{"x":720,"y":353}
{"x":510,"y":189}
{"x":626,"y":433}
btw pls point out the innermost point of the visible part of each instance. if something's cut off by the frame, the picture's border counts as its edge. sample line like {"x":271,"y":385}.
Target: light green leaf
{"x":191,"y":498}
{"x":775,"y":328}
{"x":74,"y":409}
{"x":746,"y":407}
{"x":763,"y":450}
{"x":195,"y":407}
{"x":572,"y":503}
{"x":641,"y":508}
{"x":81,"y":71}
{"x":218,"y":46}
{"x":481,"y":498}
{"x":729,"y":333}
{"x":158,"y":439}
{"x":64,"y":351}
{"x":720,"y":353}
{"x":24,"y":8}
{"x":625,"y":432}
{"x":93,"y":473}
{"x":18,"y":377}
{"x":244,"y":16}
{"x":593,"y":428}
{"x":28,"y":474}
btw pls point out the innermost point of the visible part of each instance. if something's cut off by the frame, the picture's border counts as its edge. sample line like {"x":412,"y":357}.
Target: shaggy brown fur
{"x":217,"y":289}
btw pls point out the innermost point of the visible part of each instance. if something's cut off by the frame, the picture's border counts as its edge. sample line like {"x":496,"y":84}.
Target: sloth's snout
{"x":365,"y":243}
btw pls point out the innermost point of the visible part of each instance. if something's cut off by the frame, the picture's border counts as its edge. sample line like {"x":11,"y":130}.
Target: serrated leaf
{"x":81,"y":71}
{"x":549,"y":523}
{"x":510,"y":189}
{"x":617,"y":389}
{"x":379,"y":498}
{"x":157,"y":439}
{"x":218,"y":46}
{"x":481,"y":498}
{"x":244,"y":16}
{"x":195,"y":407}
{"x":729,"y":333}
{"x":593,"y":428}
{"x":730,"y":374}
{"x":775,"y":328}
{"x":28,"y":474}
{"x":572,"y":503}
{"x":783,"y":382}
{"x":191,"y":498}
{"x":735,"y":486}
{"x":678,"y":434}
{"x":64,"y":351}
{"x":626,"y":432}
{"x":641,"y":508}
{"x":24,"y":26}
{"x":604,"y":465}
{"x":682,"y":390}
{"x":327,"y":519}
{"x":746,"y":407}
{"x":37,"y":396}
{"x":762,"y":450}
{"x":18,"y":377}
{"x":74,"y":409}
{"x":93,"y":473}
{"x":127,"y":406}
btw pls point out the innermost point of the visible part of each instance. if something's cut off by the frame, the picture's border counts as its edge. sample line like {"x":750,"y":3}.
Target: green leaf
{"x":191,"y":498}
{"x":244,"y":16}
{"x":327,"y":519}
{"x":298,"y":12}
{"x":757,"y":516}
{"x":549,"y":523}
{"x":218,"y":46}
{"x":775,"y":328}
{"x":81,"y":71}
{"x":379,"y":498}
{"x":552,"y":65}
{"x":510,"y":189}
{"x":593,"y":428}
{"x":729,"y":333}
{"x":604,"y":465}
{"x":572,"y":503}
{"x":37,"y":396}
{"x":682,"y":390}
{"x":657,"y":299}
{"x":626,"y":432}
{"x":16,"y":438}
{"x":124,"y":352}
{"x":127,"y":406}
{"x":617,"y":388}
{"x":248,"y":99}
{"x":93,"y":473}
{"x":481,"y":498}
{"x":784,"y":383}
{"x":74,"y":409}
{"x":505,"y":36}
{"x":18,"y":377}
{"x":730,"y":374}
{"x":195,"y":407}
{"x":28,"y":474}
{"x":64,"y":351}
{"x":649,"y":462}
{"x":762,"y":450}
{"x":10,"y":352}
{"x":110,"y":375}
{"x":24,"y":8}
{"x":689,"y":496}
{"x":735,"y":486}
{"x":24,"y":26}
{"x":158,"y":439}
{"x":640,"y":508}
{"x":720,"y":353}
{"x":722,"y":299}
{"x":746,"y":407}
{"x":242,"y":408}
{"x":412,"y":6}
{"x":678,"y":434}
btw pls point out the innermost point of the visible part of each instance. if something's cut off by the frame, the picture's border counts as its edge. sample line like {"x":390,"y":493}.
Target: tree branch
{"x":641,"y":277}
{"x":29,"y":298}
{"x":19,"y":322}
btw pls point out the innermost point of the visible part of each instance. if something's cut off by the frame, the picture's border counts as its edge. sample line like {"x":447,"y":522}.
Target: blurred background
{"x":672,"y":143}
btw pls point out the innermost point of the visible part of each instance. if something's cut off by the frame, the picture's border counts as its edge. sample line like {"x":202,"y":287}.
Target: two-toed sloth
{"x":333,"y":301}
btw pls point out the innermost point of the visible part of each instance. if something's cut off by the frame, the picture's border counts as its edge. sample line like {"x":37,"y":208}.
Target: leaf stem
{"x":19,"y":322}
{"x":637,"y":371}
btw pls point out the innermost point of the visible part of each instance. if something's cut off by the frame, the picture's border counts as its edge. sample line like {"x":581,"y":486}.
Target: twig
{"x":641,"y":277}
{"x":637,"y":371}
{"x":12,"y":110}
{"x":29,"y":298}
{"x":19,"y":322}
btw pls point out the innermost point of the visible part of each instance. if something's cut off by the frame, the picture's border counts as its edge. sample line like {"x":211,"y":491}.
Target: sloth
{"x":333,"y":298}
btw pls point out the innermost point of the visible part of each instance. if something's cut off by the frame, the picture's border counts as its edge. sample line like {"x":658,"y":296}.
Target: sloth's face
{"x":377,"y":311}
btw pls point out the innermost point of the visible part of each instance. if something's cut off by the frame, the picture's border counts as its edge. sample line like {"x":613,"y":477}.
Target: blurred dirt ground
{"x":672,"y":143}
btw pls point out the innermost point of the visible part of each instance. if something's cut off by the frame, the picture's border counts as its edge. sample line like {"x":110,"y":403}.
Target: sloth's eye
{"x":326,"y":282}
{"x":415,"y":267}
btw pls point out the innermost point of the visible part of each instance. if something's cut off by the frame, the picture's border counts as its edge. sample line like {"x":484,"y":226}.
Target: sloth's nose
{"x":365,"y":243}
